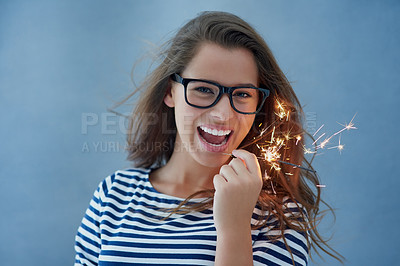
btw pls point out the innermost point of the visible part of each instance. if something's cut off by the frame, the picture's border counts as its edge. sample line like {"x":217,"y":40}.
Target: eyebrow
{"x":246,"y":84}
{"x":237,"y":85}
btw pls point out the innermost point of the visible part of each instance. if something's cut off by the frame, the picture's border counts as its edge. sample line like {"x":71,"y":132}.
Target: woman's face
{"x":206,"y":134}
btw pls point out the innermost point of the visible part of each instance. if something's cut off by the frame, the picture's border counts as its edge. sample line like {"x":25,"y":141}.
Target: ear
{"x":168,"y":98}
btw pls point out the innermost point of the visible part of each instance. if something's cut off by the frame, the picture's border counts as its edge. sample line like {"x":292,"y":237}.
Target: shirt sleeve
{"x":267,"y":251}
{"x":270,"y":249}
{"x":88,"y":240}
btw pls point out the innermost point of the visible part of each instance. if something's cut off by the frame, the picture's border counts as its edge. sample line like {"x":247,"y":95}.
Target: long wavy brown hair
{"x":152,"y":129}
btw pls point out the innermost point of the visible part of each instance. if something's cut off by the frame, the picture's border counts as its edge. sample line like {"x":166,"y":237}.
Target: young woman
{"x":199,"y":194}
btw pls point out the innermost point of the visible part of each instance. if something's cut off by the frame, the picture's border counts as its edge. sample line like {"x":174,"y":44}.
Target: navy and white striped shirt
{"x":122,"y":226}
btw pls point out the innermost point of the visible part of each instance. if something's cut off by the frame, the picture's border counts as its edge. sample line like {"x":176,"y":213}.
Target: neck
{"x":182,"y":176}
{"x":182,"y":169}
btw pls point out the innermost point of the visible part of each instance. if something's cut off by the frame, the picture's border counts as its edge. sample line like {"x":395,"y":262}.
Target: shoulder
{"x":130,"y":175}
{"x":291,"y":221}
{"x":278,"y":243}
{"x":122,"y":179}
{"x":293,"y":208}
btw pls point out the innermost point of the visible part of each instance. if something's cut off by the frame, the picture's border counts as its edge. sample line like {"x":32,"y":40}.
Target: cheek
{"x":185,"y":118}
{"x":246,"y":126}
{"x":247,"y":122}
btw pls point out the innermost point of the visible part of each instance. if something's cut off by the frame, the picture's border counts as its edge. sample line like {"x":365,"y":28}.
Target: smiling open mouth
{"x":214,"y":137}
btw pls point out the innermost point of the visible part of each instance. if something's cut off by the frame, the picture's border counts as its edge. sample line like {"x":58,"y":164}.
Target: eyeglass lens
{"x":204,"y":94}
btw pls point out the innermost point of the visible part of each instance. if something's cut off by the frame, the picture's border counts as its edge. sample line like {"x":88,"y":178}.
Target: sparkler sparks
{"x":272,"y":155}
{"x":318,"y":138}
{"x":318,"y":130}
{"x":281,"y":112}
{"x":275,"y":161}
{"x":347,"y":126}
{"x":340,"y":146}
{"x":272,"y":152}
{"x":323,"y":143}
{"x":298,"y":138}
{"x":308,"y":150}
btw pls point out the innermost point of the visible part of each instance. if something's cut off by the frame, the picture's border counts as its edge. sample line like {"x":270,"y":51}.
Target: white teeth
{"x":215,"y":132}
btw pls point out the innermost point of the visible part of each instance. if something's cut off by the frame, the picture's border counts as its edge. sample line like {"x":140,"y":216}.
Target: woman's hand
{"x":237,"y":187}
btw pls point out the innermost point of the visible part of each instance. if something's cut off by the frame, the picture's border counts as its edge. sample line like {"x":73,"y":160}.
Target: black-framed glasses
{"x":205,"y":94}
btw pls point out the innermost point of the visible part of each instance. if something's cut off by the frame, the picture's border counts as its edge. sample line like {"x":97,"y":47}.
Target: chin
{"x":211,"y":159}
{"x":213,"y":163}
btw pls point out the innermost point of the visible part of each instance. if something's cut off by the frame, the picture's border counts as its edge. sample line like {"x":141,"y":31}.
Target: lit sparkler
{"x":270,"y":157}
{"x":271,"y":151}
{"x":282,"y":113}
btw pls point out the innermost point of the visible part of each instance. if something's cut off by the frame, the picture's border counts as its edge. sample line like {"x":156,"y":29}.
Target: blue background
{"x":62,"y":62}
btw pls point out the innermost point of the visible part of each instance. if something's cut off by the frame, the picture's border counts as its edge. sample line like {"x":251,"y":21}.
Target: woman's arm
{"x":87,"y":240}
{"x":234,"y":248}
{"x":237,"y":188}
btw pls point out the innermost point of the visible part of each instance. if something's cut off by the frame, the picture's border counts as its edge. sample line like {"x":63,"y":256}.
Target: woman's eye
{"x":241,"y":94}
{"x":204,"y":90}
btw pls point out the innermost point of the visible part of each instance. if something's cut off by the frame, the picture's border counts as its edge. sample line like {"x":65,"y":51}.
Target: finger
{"x":250,"y":160}
{"x":227,"y":172}
{"x":240,"y":159}
{"x":218,"y":181}
{"x":238,"y":165}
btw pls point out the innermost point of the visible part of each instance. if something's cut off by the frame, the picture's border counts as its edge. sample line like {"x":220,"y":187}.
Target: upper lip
{"x":216,"y":129}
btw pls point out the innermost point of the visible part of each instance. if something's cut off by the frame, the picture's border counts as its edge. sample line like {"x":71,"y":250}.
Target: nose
{"x":223,"y":110}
